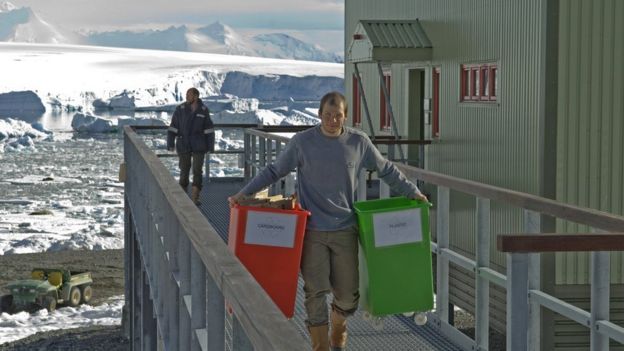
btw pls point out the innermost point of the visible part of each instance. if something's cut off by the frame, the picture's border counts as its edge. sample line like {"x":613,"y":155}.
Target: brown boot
{"x":338,"y":338}
{"x":319,"y":337}
{"x":195,"y":195}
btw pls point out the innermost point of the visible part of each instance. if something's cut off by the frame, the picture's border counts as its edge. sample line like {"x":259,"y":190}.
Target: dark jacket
{"x":191,"y":131}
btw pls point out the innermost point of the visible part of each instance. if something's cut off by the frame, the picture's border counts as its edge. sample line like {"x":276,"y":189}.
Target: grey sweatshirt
{"x":327,"y":174}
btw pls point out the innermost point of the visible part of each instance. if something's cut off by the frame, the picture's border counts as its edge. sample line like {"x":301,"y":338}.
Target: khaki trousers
{"x":330,"y":264}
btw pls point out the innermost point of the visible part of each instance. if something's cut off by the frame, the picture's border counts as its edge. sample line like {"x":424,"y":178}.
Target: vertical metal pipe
{"x":149,"y":322}
{"x":361,"y":189}
{"x":482,"y":318}
{"x":136,"y":311}
{"x":532,"y":224}
{"x":184,"y":261}
{"x":128,"y":237}
{"x":384,"y":190}
{"x":600,"y":281}
{"x":254,"y":156}
{"x":262,"y":151}
{"x":389,"y":109}
{"x":215,"y":315}
{"x":247,"y":163}
{"x":173,"y":305}
{"x":364,"y":102}
{"x":517,"y":301}
{"x":240,"y":341}
{"x":442,"y":272}
{"x":198,"y":299}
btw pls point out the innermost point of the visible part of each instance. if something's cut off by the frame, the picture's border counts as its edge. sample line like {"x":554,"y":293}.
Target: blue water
{"x":59,"y":120}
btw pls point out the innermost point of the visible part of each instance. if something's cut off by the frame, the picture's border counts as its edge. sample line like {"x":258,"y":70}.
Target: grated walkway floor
{"x":398,"y":334}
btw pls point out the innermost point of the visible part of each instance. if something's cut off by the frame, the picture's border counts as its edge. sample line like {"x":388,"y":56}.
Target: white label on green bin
{"x":270,"y":229}
{"x":397,"y":227}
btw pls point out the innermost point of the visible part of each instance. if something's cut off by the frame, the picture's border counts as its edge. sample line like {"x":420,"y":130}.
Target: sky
{"x":261,"y":14}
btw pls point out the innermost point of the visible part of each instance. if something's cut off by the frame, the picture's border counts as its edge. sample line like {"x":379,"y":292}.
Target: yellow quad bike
{"x":47,"y":288}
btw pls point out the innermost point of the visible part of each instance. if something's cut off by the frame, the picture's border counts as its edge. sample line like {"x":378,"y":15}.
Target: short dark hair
{"x":194,"y":91}
{"x":333,"y":98}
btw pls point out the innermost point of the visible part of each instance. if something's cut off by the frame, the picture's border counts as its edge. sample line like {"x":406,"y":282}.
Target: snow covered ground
{"x":58,"y":170}
{"x":23,"y":324}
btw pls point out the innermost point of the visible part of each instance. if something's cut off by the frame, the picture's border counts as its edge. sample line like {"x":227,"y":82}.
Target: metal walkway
{"x":399,"y":332}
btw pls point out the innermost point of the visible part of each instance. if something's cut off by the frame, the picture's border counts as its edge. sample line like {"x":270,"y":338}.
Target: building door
{"x":416,"y":114}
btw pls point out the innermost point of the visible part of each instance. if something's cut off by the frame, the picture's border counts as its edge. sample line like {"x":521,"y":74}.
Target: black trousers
{"x":197,"y":159}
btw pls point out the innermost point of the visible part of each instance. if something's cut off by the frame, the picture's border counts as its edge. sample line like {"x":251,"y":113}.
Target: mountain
{"x":220,"y":38}
{"x":172,"y":38}
{"x":23,"y":25}
{"x":281,"y":45}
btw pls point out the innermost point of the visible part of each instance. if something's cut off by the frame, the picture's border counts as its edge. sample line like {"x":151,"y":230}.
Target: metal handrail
{"x":533,"y":206}
{"x":522,"y":296}
{"x":174,"y":242}
{"x":593,"y":218}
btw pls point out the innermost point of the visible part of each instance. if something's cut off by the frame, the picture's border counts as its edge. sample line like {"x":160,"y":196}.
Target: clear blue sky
{"x":266,"y":14}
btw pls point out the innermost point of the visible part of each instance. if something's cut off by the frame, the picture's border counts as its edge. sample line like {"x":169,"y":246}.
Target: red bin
{"x":269,"y":243}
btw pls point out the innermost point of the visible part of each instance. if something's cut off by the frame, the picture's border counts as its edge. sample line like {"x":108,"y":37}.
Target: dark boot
{"x":319,"y":337}
{"x":195,"y":195}
{"x":338,"y":338}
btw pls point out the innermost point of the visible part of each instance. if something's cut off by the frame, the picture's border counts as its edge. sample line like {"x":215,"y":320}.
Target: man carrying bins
{"x":328,"y":159}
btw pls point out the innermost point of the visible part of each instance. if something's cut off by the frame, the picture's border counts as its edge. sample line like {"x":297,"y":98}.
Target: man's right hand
{"x":234,"y":199}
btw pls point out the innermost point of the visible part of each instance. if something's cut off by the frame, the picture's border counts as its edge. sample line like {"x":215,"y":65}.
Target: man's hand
{"x":170,"y":149}
{"x":419,"y":196}
{"x":234,"y":199}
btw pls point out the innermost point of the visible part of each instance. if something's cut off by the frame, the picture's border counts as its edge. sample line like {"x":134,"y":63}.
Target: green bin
{"x":395,"y":256}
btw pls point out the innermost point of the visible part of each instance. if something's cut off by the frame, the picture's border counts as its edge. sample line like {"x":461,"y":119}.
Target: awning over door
{"x":389,"y":41}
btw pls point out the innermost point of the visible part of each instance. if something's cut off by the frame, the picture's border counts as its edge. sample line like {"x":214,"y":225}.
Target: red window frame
{"x":384,"y":117}
{"x":356,"y":108}
{"x":478,"y":83}
{"x":435,"y":123}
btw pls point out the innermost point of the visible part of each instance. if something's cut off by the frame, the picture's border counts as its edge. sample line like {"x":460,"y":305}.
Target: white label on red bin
{"x":270,"y":229}
{"x":398,"y":227}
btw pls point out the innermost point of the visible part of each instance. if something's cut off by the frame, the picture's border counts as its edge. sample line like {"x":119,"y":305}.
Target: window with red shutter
{"x":478,"y":82}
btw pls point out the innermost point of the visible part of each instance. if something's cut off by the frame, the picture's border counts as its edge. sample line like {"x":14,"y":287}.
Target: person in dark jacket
{"x":191,"y":133}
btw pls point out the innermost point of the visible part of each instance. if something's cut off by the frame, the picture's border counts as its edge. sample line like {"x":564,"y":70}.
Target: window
{"x":384,"y":117}
{"x":356,"y":108}
{"x":479,"y":82}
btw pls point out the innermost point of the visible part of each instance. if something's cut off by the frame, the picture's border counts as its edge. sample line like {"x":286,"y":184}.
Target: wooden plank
{"x":560,"y":242}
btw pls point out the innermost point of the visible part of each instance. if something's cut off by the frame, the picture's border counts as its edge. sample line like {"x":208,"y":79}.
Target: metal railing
{"x":180,"y":274}
{"x":258,"y":154}
{"x":522,"y":299}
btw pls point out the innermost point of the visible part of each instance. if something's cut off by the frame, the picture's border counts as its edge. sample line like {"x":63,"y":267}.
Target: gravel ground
{"x":108,"y":279}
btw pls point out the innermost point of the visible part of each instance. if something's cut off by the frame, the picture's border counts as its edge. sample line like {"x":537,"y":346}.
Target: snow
{"x":76,"y":76}
{"x":20,"y":325}
{"x":92,"y":124}
{"x":59,"y":189}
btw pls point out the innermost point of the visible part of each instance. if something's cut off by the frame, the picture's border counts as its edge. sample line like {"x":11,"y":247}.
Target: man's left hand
{"x":419,"y":196}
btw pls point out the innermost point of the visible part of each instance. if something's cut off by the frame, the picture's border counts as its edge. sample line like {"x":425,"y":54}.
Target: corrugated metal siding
{"x":492,"y":143}
{"x":590,"y":169}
